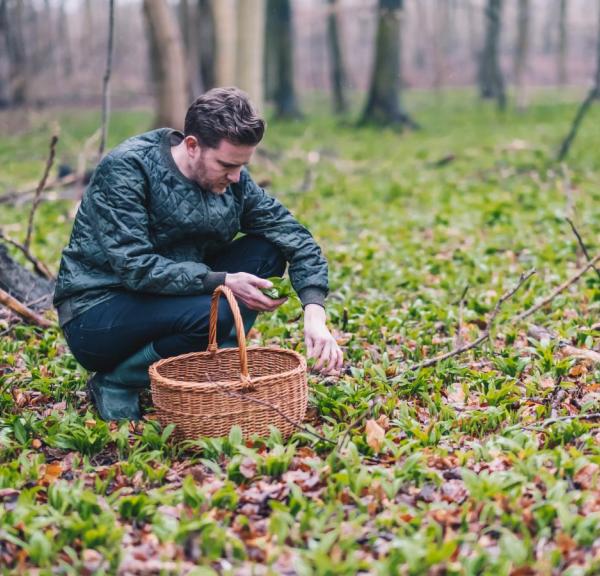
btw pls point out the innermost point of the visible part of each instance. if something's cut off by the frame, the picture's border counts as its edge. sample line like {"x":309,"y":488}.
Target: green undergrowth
{"x":481,"y":464}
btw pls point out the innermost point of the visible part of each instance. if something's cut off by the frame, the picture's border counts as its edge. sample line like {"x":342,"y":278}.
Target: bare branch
{"x":582,"y":245}
{"x":276,"y":409}
{"x":540,"y":427}
{"x":557,"y":290}
{"x":7,"y":300}
{"x":38,"y":193}
{"x":39,"y":266}
{"x":484,"y":336}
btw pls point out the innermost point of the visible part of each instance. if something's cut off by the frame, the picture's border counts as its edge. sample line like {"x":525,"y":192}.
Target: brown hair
{"x":224,"y":114}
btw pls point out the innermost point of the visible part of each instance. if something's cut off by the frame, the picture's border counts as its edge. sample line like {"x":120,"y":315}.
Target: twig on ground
{"x":22,"y":194}
{"x":484,"y":336}
{"x":568,"y":190}
{"x":276,"y":409}
{"x":39,"y":266}
{"x":557,"y":290}
{"x":106,"y":79}
{"x":458,"y":340}
{"x":10,"y":302}
{"x":38,"y":193}
{"x":582,"y":245}
{"x":541,"y":333}
{"x":549,"y":421}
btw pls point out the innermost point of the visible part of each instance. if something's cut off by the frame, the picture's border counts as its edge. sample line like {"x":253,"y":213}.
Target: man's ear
{"x":192,"y":145}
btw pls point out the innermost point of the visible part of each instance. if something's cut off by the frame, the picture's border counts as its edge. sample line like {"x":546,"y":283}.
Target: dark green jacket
{"x":143,"y":226}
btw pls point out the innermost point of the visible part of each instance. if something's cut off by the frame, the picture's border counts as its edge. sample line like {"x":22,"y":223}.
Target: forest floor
{"x":485,"y":463}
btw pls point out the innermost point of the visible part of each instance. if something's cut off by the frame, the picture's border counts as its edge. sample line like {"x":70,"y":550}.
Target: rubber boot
{"x":116,"y":394}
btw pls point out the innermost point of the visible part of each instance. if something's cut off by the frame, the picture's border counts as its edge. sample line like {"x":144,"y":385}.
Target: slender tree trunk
{"x":522,"y":52}
{"x":88,"y":41}
{"x":188,"y":22}
{"x":171,"y":88}
{"x":11,"y":17}
{"x":440,"y":43}
{"x":383,"y":103}
{"x":286,"y":104}
{"x":226,"y":35}
{"x":491,"y":82}
{"x":562,"y":43}
{"x":336,"y":60}
{"x":65,"y":41}
{"x":207,"y":44}
{"x":271,"y":46}
{"x":420,"y":51}
{"x":250,"y":49}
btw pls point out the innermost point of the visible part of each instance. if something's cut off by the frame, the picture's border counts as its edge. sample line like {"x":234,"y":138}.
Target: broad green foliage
{"x":470,"y":477}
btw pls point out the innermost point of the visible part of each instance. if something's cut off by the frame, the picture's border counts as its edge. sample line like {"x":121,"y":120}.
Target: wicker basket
{"x":206,"y":393}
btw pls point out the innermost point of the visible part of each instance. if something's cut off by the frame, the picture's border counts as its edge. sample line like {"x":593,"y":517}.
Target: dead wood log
{"x":23,"y":285}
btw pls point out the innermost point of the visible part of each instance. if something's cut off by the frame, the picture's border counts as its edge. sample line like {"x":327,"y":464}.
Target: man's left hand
{"x":320,"y":343}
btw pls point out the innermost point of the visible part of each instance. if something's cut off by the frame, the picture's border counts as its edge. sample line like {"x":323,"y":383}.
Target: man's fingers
{"x":324,"y":354}
{"x":317,"y":351}
{"x":261,"y":282}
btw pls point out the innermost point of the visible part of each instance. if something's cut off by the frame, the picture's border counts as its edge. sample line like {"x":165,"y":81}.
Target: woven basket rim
{"x":160,"y":380}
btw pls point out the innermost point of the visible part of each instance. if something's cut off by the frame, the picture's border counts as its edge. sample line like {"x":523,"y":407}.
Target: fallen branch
{"x":39,"y":266}
{"x":582,"y":245}
{"x":485,"y":336}
{"x":557,"y":290}
{"x":276,"y":409}
{"x":38,"y":193}
{"x":540,"y":333}
{"x":13,"y":304}
{"x":549,"y":421}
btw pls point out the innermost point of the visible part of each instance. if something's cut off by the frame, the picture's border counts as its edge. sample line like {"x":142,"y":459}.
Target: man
{"x":154,"y":236}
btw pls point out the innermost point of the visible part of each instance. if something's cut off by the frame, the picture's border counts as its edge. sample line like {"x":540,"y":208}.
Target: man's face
{"x":216,"y":168}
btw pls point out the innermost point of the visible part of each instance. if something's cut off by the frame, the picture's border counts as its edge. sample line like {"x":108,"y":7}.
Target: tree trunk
{"x":562,"y":43}
{"x":286,"y":104}
{"x":271,"y":55}
{"x":65,"y":42}
{"x":226,"y":41}
{"x":336,"y":61}
{"x":440,"y":42}
{"x":491,"y":82}
{"x":207,"y":44}
{"x":521,"y":52}
{"x":171,"y":89}
{"x":250,"y":49}
{"x":383,"y":104}
{"x":188,"y":23}
{"x":11,"y":22}
{"x":421,"y":42}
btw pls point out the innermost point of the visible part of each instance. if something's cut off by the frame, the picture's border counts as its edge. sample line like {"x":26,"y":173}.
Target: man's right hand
{"x":246,"y":287}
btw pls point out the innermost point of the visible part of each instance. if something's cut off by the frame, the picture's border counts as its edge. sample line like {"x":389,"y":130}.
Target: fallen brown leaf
{"x":375,"y":435}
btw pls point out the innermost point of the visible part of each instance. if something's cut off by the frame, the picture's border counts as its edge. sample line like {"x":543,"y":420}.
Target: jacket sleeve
{"x":121,"y":227}
{"x":265,"y":216}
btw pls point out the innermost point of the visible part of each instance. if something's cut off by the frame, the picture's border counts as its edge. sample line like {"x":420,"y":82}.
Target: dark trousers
{"x":110,"y":332}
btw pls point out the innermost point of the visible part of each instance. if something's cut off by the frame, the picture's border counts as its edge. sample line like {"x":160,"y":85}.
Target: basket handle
{"x":239,"y":328}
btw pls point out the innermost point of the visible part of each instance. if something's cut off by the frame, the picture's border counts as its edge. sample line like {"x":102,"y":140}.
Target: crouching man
{"x":154,"y":236}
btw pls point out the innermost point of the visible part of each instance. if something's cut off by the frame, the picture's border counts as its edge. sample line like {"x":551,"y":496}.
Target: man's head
{"x":222,"y":130}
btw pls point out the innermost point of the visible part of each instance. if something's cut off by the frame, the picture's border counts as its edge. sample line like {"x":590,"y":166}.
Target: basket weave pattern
{"x":206,"y":393}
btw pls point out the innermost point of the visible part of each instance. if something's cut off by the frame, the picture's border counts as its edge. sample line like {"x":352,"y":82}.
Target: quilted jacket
{"x":143,"y":226}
